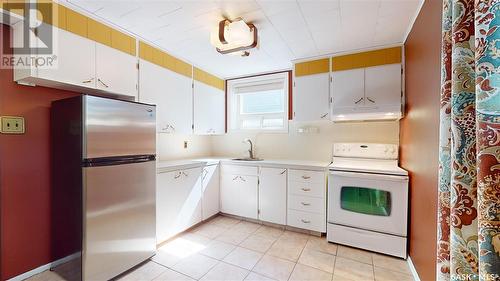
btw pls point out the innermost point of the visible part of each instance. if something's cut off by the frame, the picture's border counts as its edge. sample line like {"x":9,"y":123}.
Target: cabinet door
{"x":210,"y":185}
{"x":348,"y":90}
{"x":272,"y":195}
{"x":311,"y":97}
{"x":178,"y":202}
{"x":383,"y":85}
{"x":209,"y":109}
{"x":239,"y":195}
{"x":172,"y":94}
{"x":75,"y":61}
{"x":116,"y":71}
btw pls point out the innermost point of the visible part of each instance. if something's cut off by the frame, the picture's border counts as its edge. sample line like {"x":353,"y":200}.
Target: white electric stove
{"x":368,"y":198}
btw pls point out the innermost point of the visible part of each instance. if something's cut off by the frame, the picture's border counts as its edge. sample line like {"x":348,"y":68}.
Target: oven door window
{"x":363,"y":200}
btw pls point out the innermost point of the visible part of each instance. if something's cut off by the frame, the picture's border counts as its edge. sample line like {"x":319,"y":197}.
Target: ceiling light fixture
{"x":234,"y":37}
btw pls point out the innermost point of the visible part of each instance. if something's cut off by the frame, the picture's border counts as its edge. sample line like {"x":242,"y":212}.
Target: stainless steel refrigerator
{"x":104,"y":173}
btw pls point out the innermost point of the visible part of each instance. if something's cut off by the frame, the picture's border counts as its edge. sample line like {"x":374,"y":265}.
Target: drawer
{"x":307,"y":189}
{"x":305,"y":220}
{"x":306,"y":176}
{"x":240,"y":170}
{"x":307,"y":204}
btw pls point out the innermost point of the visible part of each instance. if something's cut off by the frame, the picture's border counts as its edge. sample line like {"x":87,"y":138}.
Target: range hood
{"x":367,"y":114}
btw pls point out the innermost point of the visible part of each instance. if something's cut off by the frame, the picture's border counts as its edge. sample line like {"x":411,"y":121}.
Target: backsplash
{"x":305,"y":146}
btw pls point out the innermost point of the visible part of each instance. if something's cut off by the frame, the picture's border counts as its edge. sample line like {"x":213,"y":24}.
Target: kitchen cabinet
{"x":178,"y":202}
{"x":311,"y":97}
{"x":209,"y":109}
{"x":211,"y":194}
{"x":272,"y":195}
{"x":367,"y":93}
{"x":171,"y":93}
{"x":108,"y":61}
{"x":307,"y":200}
{"x":85,"y":66}
{"x":239,"y":191}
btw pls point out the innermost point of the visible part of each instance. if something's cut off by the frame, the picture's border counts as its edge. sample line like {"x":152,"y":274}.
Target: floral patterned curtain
{"x":468,"y":243}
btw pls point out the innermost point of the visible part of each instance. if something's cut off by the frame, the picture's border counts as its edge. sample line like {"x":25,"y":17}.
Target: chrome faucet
{"x":250,"y":151}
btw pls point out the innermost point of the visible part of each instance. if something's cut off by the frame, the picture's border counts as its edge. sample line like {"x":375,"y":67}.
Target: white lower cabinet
{"x":239,"y":193}
{"x":272,"y":195}
{"x":307,"y":200}
{"x":178,"y":196}
{"x":211,"y":194}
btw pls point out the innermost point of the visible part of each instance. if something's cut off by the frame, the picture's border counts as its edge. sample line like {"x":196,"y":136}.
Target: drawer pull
{"x":178,"y":175}
{"x":306,"y":177}
{"x":284,"y":171}
{"x":305,"y":204}
{"x":306,"y":189}
{"x":235,"y":178}
{"x":305,"y":221}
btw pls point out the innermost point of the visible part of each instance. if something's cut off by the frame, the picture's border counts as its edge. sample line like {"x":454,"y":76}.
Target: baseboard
{"x":44,"y":267}
{"x":413,"y":269}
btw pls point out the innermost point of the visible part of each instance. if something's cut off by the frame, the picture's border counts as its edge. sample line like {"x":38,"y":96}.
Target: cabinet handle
{"x":185,"y":174}
{"x":241,"y":178}
{"x":305,"y":204}
{"x":177,"y":176}
{"x":88,"y":81}
{"x":324,"y":115}
{"x":306,"y":189}
{"x":306,"y":177}
{"x":305,"y":221}
{"x":360,"y":100}
{"x":235,"y":178}
{"x":104,"y":84}
{"x":204,"y":174}
{"x":284,"y":171}
{"x":165,"y":129}
{"x":370,"y":99}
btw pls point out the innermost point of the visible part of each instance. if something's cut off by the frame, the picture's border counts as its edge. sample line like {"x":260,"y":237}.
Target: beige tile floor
{"x":225,"y":248}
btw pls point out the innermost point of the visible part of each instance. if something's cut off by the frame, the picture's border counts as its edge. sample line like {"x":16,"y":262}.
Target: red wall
{"x":25,"y":217}
{"x":420,"y":134}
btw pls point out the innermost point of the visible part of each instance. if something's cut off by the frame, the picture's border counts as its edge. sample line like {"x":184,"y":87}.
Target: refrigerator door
{"x":118,"y":128}
{"x":119,"y":228}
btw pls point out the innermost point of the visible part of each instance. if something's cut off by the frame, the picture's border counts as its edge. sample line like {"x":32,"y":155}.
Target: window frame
{"x":233,"y":104}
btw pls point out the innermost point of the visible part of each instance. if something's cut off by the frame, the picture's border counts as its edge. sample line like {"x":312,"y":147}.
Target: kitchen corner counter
{"x":167,"y":166}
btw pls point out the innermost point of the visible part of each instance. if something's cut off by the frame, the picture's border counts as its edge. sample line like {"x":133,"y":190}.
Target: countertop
{"x":167,"y":166}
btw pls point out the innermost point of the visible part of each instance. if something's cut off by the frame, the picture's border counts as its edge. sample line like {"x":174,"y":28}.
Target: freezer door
{"x":119,"y":229}
{"x":117,"y":128}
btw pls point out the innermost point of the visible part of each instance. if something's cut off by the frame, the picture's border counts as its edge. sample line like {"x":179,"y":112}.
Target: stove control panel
{"x":366,"y":150}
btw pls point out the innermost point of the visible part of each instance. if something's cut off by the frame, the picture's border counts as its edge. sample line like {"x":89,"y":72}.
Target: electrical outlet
{"x":185,"y":144}
{"x":11,"y":125}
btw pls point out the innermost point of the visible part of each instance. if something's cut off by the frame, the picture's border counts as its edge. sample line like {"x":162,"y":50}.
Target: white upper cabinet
{"x":272,"y":195}
{"x":311,"y":92}
{"x":172,"y":94}
{"x":367,"y":93}
{"x":348,"y":90}
{"x":75,"y":62}
{"x":312,"y":97}
{"x":383,"y":86}
{"x":83,"y":65}
{"x":116,"y":71}
{"x":209,"y":109}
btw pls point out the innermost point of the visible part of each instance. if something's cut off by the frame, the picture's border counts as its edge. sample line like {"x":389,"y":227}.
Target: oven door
{"x":368,"y":201}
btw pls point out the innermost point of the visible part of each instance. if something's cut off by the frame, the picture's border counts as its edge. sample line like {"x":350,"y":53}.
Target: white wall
{"x":306,"y":146}
{"x":279,"y":146}
{"x":171,"y":146}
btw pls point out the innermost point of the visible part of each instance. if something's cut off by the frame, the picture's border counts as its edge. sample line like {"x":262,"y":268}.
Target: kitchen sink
{"x":247,"y":159}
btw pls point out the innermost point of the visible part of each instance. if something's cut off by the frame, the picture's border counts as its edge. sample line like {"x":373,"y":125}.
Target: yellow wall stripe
{"x":367,"y":59}
{"x":84,"y":26}
{"x":312,"y":67}
{"x":161,"y":58}
{"x":207,"y":78}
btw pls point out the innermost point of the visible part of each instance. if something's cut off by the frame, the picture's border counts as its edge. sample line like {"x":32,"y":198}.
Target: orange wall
{"x":25,"y":198}
{"x":420,"y":134}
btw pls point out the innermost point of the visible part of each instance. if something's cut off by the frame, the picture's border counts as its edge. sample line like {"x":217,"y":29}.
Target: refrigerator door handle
{"x":117,"y":160}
